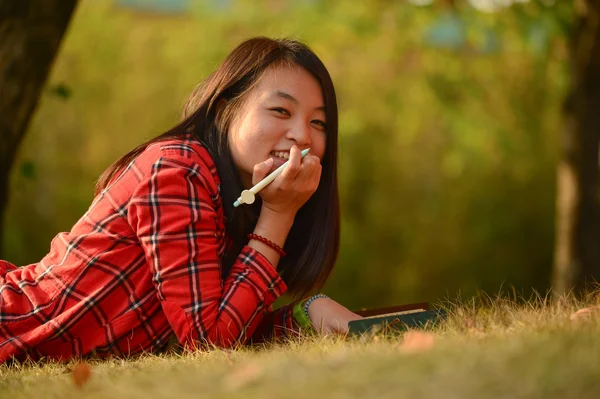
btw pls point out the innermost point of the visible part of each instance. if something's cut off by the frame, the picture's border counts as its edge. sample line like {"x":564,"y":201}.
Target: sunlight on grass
{"x":487,"y":348}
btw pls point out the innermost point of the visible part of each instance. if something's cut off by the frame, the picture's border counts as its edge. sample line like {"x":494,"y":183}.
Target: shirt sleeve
{"x":276,"y":324}
{"x":6,"y":267}
{"x":174,"y":214}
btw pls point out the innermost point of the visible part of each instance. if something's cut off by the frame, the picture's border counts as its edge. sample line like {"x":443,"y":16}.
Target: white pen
{"x":248,"y":196}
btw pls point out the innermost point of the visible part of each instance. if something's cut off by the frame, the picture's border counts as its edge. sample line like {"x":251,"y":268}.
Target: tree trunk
{"x":30,"y":35}
{"x":577,"y":252}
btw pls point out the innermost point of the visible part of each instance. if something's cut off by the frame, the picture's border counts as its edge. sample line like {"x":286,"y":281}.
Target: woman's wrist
{"x":269,"y":215}
{"x":300,"y":312}
{"x":268,"y":242}
{"x":273,"y":227}
{"x":301,"y":317}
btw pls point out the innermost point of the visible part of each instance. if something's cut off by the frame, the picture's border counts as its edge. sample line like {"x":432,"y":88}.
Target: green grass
{"x":496,"y":350}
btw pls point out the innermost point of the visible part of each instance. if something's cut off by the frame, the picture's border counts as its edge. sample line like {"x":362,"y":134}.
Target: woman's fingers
{"x":310,"y":163}
{"x":261,"y":170}
{"x":294,"y":165}
{"x":295,"y":185}
{"x":303,"y":173}
{"x":312,"y":166}
{"x":310,"y":175}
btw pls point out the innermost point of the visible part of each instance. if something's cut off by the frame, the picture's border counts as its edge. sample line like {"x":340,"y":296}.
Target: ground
{"x":496,"y":349}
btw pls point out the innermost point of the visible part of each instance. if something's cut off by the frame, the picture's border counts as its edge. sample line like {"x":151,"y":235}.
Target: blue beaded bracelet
{"x":309,"y":301}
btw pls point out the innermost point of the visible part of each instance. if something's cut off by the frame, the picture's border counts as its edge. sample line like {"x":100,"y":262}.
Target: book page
{"x":395,"y":314}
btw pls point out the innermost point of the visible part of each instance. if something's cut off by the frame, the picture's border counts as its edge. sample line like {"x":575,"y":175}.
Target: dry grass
{"x":488,"y":348}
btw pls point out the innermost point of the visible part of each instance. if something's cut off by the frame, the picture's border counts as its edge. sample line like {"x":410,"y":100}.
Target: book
{"x":396,"y":318}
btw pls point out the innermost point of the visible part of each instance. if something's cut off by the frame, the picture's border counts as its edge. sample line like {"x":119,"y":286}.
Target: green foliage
{"x":60,"y":90}
{"x":447,"y":152}
{"x":28,"y":170}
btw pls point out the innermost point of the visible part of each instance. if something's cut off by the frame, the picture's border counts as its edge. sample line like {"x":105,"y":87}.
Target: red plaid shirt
{"x":142,"y":264}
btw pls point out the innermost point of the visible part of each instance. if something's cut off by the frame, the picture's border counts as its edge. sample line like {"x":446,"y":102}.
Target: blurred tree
{"x":158,"y":6}
{"x":30,"y":35}
{"x":448,"y":148}
{"x":577,"y":252}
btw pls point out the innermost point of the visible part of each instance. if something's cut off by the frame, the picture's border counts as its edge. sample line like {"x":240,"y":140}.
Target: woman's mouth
{"x":281,"y":154}
{"x":279,"y":158}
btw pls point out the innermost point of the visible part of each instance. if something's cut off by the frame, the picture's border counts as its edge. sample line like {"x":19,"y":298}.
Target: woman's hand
{"x":293,"y":187}
{"x":328,"y":316}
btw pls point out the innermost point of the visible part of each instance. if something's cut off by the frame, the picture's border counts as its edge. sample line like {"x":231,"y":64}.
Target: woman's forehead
{"x":284,"y":81}
{"x":287,"y":79}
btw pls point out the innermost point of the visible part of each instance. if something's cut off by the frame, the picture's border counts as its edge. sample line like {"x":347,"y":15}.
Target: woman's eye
{"x":319,"y":123}
{"x":281,"y":111}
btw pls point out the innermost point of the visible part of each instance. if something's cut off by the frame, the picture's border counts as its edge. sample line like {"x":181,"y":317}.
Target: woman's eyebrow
{"x":288,"y":96}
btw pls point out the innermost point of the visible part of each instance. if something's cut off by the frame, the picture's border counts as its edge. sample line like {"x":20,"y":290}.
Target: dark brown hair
{"x":313,"y":242}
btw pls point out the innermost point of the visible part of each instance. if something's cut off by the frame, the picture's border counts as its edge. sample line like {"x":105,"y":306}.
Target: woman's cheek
{"x":318,"y":146}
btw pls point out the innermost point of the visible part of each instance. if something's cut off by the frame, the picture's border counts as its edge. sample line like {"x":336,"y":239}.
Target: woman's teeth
{"x":281,"y":154}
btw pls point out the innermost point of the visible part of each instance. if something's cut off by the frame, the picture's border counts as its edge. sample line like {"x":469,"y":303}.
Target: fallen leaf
{"x":469,"y":323}
{"x":472,"y":327}
{"x":417,"y":341}
{"x":81,"y":374}
{"x":585,"y":314}
{"x":242,"y":376}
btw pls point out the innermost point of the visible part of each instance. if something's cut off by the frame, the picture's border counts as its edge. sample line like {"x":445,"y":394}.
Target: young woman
{"x":162,"y":252}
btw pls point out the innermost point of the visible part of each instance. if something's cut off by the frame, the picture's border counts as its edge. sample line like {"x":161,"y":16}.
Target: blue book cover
{"x":395,"y":319}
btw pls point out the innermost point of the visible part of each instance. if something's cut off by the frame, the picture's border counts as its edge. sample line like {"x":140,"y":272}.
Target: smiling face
{"x":284,"y":108}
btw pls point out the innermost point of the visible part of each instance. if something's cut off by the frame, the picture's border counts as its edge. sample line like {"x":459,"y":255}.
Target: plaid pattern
{"x":142,"y":265}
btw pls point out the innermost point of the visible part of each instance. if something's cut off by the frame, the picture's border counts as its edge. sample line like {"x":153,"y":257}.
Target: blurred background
{"x":450,"y":126}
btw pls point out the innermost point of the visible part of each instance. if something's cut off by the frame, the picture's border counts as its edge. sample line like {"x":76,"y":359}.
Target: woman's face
{"x":284,"y":108}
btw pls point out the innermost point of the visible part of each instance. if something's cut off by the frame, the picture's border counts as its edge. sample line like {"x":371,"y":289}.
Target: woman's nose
{"x":300,"y":133}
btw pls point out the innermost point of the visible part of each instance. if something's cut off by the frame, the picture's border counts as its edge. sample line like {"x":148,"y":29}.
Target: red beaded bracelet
{"x":268,"y":242}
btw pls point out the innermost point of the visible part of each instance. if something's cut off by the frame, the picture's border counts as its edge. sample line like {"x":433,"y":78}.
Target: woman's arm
{"x":6,"y":267}
{"x":276,"y":324}
{"x":174,"y":215}
{"x":275,"y":227}
{"x":326,"y":317}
